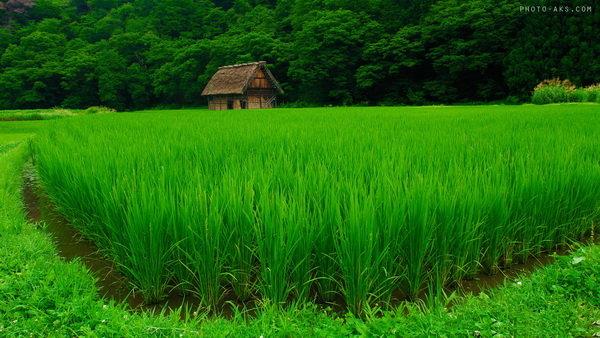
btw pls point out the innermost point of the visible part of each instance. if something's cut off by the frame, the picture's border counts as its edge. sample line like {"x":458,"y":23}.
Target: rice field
{"x":362,"y":205}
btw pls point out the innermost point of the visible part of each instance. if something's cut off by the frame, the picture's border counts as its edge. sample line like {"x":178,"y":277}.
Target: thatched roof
{"x":234,"y":79}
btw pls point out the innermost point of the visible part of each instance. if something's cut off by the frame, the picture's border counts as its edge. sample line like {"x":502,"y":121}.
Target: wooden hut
{"x":242,"y":86}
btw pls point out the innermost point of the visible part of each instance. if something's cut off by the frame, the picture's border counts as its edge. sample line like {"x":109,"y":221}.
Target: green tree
{"x":112,"y":78}
{"x":327,"y":54}
{"x":550,"y":45}
{"x":395,"y":68}
{"x":466,"y":42}
{"x":140,"y":53}
{"x":32,"y":71}
{"x":181,"y":80}
{"x":80,"y":75}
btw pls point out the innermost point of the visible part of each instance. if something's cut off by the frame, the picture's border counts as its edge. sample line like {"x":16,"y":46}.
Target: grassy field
{"x":48,"y":114}
{"x":317,"y":205}
{"x":37,"y":114}
{"x":40,"y":294}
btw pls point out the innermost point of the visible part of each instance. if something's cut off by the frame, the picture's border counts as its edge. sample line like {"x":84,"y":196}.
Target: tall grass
{"x":320,"y":204}
{"x":558,"y":91}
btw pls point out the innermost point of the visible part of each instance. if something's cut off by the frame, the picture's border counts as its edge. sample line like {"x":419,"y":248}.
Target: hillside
{"x":146,"y":53}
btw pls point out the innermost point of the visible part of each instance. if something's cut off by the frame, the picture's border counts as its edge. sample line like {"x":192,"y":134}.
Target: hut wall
{"x":221,"y":102}
{"x":260,"y":80}
{"x":261,"y":98}
{"x":252,"y":102}
{"x":217,"y":103}
{"x":255,"y":102}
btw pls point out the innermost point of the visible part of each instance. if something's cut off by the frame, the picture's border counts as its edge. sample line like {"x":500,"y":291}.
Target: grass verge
{"x":48,"y":114}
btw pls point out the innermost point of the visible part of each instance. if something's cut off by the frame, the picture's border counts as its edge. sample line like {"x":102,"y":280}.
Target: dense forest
{"x":145,"y":53}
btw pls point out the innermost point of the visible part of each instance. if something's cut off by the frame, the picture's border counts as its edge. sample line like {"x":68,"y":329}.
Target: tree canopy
{"x":130,"y":54}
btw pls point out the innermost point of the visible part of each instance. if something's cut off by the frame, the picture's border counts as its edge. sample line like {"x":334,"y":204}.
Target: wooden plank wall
{"x":260,"y":80}
{"x":217,"y":103}
{"x":253,"y":102}
{"x":258,"y":101}
{"x":220,"y":103}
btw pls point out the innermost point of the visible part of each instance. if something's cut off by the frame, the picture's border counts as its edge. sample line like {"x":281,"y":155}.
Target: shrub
{"x":99,"y":110}
{"x":593,"y":93}
{"x":512,"y":100}
{"x":577,"y":95}
{"x":60,"y":112}
{"x":552,"y":91}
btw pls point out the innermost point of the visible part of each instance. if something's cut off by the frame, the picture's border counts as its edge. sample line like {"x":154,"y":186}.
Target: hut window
{"x":229,"y":104}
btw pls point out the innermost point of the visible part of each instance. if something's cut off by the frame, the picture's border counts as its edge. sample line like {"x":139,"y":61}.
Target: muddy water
{"x":71,"y":245}
{"x":484,"y":281}
{"x":112,"y":284}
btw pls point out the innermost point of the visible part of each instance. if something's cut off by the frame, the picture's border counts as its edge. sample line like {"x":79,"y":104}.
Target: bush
{"x":552,"y":91}
{"x":297,"y":104}
{"x":577,"y":95}
{"x":59,"y":112}
{"x":557,"y":90}
{"x":99,"y":110}
{"x":593,"y":93}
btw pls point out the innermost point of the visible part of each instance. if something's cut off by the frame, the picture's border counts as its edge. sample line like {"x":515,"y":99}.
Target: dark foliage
{"x":140,"y":53}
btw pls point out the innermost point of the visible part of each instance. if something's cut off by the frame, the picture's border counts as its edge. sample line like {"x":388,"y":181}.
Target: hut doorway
{"x":229,"y":104}
{"x":243,"y":104}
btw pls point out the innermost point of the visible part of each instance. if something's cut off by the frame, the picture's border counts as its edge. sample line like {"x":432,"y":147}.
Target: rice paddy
{"x":299,"y":205}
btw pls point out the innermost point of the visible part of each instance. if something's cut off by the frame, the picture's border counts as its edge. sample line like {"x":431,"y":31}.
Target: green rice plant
{"x":496,"y":210}
{"x":302,"y":273}
{"x":298,"y":205}
{"x":328,"y":216}
{"x":457,"y":239}
{"x":278,"y":239}
{"x":362,"y":254}
{"x":200,"y":250}
{"x":419,"y":224}
{"x":239,"y":218}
